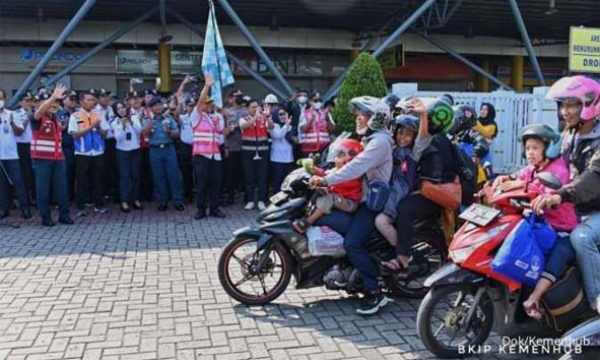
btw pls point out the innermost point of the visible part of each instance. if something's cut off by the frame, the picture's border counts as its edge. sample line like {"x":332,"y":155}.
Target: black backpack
{"x":466,"y":169}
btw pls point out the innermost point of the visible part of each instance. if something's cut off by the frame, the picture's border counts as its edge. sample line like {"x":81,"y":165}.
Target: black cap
{"x":190,"y":101}
{"x":27,"y":96}
{"x":133,"y":94}
{"x":44,"y":96}
{"x":155,"y":100}
{"x":104,"y":92}
{"x":72,"y":93}
{"x":92,"y":92}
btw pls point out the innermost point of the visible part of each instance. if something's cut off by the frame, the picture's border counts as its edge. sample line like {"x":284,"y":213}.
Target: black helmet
{"x":462,"y":121}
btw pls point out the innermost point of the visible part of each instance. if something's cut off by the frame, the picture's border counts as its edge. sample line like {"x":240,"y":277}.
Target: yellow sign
{"x":584,"y":50}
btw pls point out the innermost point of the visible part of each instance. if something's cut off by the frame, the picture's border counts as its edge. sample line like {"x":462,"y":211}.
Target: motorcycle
{"x":257,"y":264}
{"x":466,"y":297}
{"x":583,"y":341}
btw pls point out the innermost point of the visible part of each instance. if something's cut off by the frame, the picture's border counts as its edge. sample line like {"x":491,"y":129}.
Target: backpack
{"x":466,"y":169}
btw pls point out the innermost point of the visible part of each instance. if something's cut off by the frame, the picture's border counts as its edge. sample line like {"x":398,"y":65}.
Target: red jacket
{"x":350,"y":189}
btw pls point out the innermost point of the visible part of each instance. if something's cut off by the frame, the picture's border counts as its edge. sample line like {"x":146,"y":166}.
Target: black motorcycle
{"x":257,"y":264}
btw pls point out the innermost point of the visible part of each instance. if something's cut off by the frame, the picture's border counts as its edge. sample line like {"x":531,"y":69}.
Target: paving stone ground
{"x":144,"y":286}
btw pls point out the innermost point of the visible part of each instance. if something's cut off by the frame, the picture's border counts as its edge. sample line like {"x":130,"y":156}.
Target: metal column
{"x":242,"y":27}
{"x":393,"y":37}
{"x":521,"y":25}
{"x":83,"y":10}
{"x":466,"y":61}
{"x":230,"y":56}
{"x":111,"y":39}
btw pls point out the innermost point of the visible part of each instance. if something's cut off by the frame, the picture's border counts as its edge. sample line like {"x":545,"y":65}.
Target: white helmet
{"x":377,"y":109}
{"x":271,"y":99}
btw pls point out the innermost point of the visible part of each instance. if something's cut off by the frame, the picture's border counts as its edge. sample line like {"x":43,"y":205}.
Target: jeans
{"x":411,"y":208}
{"x":89,"y":171}
{"x":358,"y":228}
{"x":46,"y":172}
{"x":13,"y":169}
{"x":255,"y":176}
{"x":130,"y":163}
{"x":585,"y":240}
{"x":187,"y":169}
{"x":279,"y":171}
{"x":70,"y":171}
{"x":166,"y":174}
{"x":208,"y":174}
{"x":24,"y":150}
{"x":560,"y":256}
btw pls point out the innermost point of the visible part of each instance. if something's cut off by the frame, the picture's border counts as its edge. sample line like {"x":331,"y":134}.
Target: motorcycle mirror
{"x":549,"y":180}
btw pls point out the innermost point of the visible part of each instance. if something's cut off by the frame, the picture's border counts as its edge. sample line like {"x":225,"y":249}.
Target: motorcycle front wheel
{"x":441,"y":320}
{"x":240,"y":277}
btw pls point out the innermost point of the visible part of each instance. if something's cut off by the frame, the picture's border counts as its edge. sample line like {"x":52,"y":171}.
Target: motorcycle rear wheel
{"x":451,"y":320}
{"x":279,"y":257}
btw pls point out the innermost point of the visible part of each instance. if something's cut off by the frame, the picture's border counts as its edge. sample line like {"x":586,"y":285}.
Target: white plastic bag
{"x":323,"y":241}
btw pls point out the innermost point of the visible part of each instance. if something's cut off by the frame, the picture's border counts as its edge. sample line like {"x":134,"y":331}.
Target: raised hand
{"x":59,"y":92}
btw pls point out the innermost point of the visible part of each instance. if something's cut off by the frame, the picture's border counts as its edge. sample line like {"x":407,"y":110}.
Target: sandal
{"x":396,"y":268}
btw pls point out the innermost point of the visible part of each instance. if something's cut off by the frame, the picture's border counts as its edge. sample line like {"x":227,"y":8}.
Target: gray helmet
{"x":407,"y":121}
{"x":462,"y":122}
{"x":377,"y":109}
{"x":546,"y":134}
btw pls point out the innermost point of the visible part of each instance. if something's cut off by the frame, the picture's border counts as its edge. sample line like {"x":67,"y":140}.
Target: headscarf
{"x":490,"y":118}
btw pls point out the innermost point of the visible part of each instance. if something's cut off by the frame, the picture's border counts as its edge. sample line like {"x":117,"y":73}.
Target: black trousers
{"x":184,"y":154}
{"x":147,"y":185}
{"x":111,"y":168}
{"x":256,"y":175}
{"x":411,"y":208}
{"x":208,"y":174}
{"x":24,"y":150}
{"x":234,"y":173}
{"x":89,"y":173}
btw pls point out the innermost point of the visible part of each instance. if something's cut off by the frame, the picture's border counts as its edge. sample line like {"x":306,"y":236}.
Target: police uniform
{"x":49,"y":166}
{"x":89,"y":162}
{"x":185,"y":149}
{"x":68,"y":145}
{"x":24,"y":146}
{"x":111,"y":183}
{"x":10,"y":169}
{"x":163,"y":160}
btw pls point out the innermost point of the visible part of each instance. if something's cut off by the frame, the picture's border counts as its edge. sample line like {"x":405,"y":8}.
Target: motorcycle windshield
{"x":589,"y":330}
{"x":334,"y":150}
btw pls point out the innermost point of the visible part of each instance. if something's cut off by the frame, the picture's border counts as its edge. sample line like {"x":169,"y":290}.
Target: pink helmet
{"x":578,"y":89}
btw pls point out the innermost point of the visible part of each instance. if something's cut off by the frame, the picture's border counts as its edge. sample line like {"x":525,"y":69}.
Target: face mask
{"x":318,"y":106}
{"x":302,"y":99}
{"x":1,"y":104}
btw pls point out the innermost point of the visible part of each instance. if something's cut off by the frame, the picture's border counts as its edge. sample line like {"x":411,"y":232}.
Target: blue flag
{"x":214,"y":59}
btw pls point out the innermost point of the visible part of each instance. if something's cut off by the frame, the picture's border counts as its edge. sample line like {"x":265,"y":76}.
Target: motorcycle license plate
{"x":480,"y":215}
{"x":277,"y":198}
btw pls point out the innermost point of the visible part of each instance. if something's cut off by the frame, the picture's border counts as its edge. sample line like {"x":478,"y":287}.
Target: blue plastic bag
{"x":543,"y":233}
{"x":520,"y":257}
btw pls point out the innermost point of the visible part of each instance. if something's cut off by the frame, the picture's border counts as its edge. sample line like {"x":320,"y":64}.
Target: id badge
{"x":128,"y":136}
{"x":5,"y":129}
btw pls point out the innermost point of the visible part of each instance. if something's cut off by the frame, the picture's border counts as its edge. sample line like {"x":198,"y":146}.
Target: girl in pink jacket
{"x":541,"y":148}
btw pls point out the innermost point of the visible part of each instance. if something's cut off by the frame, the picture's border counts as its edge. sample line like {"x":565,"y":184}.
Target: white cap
{"x":271,"y":99}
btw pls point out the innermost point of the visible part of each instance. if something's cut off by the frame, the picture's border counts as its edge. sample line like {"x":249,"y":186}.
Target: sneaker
{"x":372,"y":303}
{"x":100,"y":210}
{"x":81,"y":213}
{"x":249,"y":206}
{"x":261,"y":206}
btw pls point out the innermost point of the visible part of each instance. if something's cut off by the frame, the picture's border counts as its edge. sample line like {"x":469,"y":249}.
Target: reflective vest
{"x":92,"y":140}
{"x":207,"y":135}
{"x":317,"y":137}
{"x":255,"y":139}
{"x":47,"y":140}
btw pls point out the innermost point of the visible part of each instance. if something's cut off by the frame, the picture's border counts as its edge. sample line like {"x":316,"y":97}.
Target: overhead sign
{"x":146,"y":62}
{"x":584,"y":50}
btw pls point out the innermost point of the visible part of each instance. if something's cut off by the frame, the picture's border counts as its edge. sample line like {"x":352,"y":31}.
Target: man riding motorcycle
{"x":579,"y":99}
{"x":375,"y":163}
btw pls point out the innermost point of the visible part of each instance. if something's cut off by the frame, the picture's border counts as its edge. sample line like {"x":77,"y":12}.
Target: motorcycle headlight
{"x":459,"y":255}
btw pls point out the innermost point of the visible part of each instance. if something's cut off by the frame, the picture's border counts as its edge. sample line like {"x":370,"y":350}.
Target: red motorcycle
{"x":466,"y":296}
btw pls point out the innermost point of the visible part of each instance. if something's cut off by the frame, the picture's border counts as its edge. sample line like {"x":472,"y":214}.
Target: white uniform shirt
{"x":128,"y":139}
{"x":281,"y":149}
{"x":8,"y":143}
{"x":106,"y":114}
{"x":74,"y":127}
{"x":186,"y":131}
{"x":27,"y":135}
